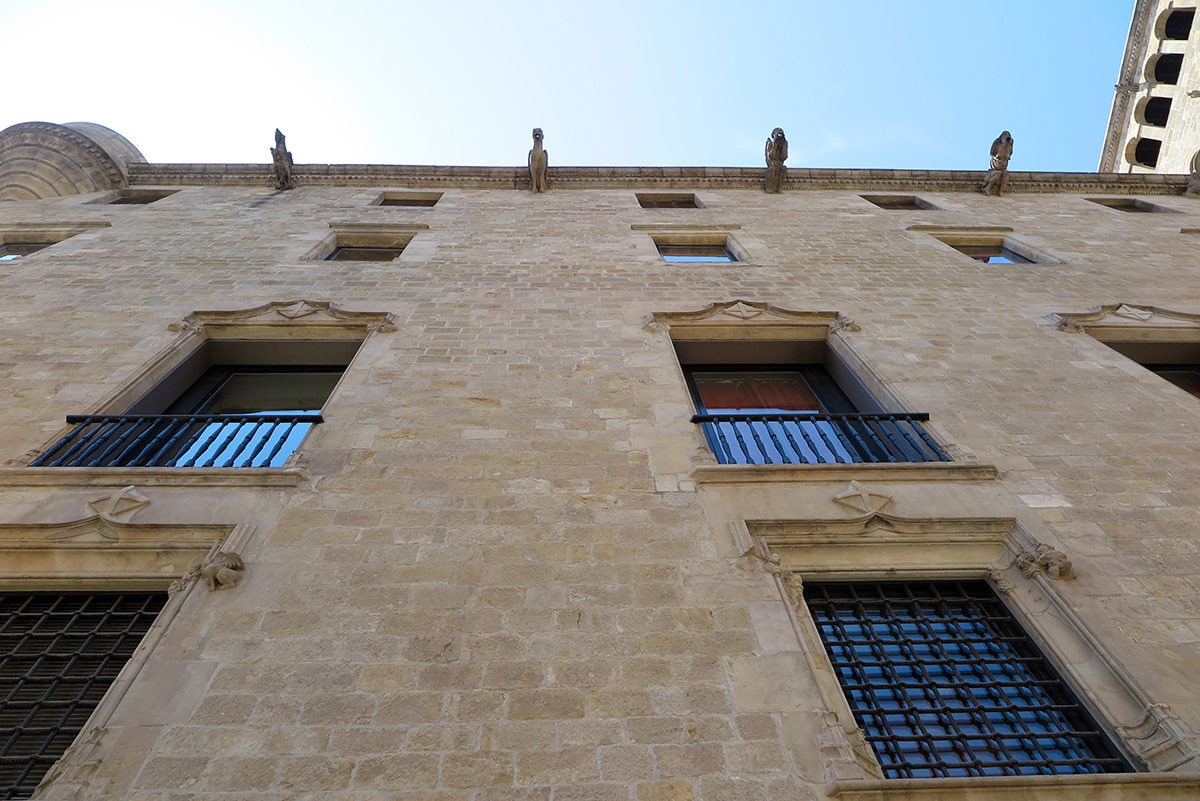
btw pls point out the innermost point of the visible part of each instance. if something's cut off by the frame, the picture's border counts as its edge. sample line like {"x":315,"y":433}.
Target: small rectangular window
{"x":409,"y":199}
{"x":1129,"y":204}
{"x":59,"y":653}
{"x":899,"y":202}
{"x":988,"y":245}
{"x":667,"y":200}
{"x":945,"y":683}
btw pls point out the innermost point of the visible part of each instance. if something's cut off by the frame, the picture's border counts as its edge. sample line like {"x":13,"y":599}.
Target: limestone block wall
{"x":507,"y":567}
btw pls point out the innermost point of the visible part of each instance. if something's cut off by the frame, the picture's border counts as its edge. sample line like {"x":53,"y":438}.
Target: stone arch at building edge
{"x":44,"y":159}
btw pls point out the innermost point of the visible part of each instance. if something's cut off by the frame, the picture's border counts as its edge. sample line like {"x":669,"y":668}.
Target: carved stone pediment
{"x":96,"y":549}
{"x":319,"y":317}
{"x":1110,"y":321}
{"x":882,"y":543}
{"x":759,"y":315}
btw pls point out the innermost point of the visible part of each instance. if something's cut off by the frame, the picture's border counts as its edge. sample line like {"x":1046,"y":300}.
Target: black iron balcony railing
{"x":791,"y":438}
{"x":179,"y":440}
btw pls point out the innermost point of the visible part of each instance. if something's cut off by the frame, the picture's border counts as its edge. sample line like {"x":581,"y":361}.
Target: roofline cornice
{"x":666,"y":178}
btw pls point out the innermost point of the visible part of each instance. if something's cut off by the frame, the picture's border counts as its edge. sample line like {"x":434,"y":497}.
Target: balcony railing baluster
{"x":167,"y":440}
{"x":831,"y":438}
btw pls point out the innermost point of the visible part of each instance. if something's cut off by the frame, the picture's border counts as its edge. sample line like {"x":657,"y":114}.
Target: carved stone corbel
{"x":843,"y":324}
{"x":1044,"y":559}
{"x":220,"y":571}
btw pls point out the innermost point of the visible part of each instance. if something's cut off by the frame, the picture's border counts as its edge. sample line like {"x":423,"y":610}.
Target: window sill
{"x":784,"y":473}
{"x":152,"y":476}
{"x":1081,"y":787}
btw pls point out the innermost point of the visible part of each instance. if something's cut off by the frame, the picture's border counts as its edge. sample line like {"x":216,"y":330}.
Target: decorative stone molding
{"x":861,"y":498}
{"x":1162,"y":738}
{"x":1103,"y":322}
{"x":1045,"y":559}
{"x":323,"y":314}
{"x":749,"y":319}
{"x":743,"y":543}
{"x":119,"y":506}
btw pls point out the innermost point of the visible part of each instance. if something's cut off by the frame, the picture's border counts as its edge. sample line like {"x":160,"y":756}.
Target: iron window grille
{"x":59,"y":653}
{"x":945,"y":683}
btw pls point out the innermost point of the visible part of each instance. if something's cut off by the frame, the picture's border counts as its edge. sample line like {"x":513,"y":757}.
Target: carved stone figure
{"x":1044,"y":558}
{"x":281,"y":159}
{"x":539,"y":158}
{"x":996,"y":181}
{"x":776,"y":153}
{"x":1193,"y":184}
{"x":223,"y":570}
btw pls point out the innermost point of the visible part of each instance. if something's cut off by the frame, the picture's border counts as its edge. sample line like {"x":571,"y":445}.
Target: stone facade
{"x":507,"y":565}
{"x":1154,"y":125}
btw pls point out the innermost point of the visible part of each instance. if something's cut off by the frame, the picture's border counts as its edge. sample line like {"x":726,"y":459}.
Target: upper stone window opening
{"x":899,"y":202}
{"x":667,"y":200}
{"x":409,"y":199}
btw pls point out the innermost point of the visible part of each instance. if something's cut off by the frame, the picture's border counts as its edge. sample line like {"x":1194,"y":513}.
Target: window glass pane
{"x":945,"y":683}
{"x":1184,"y":377}
{"x":15,"y":250}
{"x":687,"y":253}
{"x":992,"y":254}
{"x":758,"y":391}
{"x":250,"y":393}
{"x":364,"y":254}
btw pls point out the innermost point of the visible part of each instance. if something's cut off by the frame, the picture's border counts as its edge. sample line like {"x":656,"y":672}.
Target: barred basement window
{"x":945,"y":683}
{"x":59,"y":653}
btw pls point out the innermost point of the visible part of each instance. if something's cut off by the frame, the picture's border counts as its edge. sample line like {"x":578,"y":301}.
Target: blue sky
{"x":919,"y":85}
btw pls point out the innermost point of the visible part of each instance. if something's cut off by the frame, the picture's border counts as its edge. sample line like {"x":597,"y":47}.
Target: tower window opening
{"x":1157,"y":110}
{"x":1167,"y":67}
{"x":1179,"y":24}
{"x":1146,"y":152}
